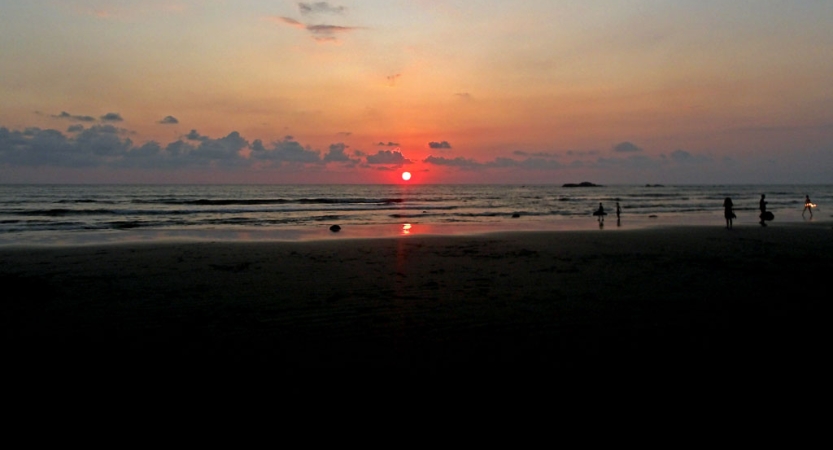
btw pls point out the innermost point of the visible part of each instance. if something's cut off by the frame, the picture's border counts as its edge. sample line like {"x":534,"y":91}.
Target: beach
{"x":671,"y":298}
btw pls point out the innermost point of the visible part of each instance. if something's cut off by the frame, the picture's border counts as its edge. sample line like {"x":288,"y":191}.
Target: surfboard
{"x":767,"y":215}
{"x":599,"y":213}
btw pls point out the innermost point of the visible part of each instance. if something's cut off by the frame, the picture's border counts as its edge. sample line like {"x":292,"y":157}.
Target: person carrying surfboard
{"x":808,"y":206}
{"x":762,"y":207}
{"x":600,"y":213}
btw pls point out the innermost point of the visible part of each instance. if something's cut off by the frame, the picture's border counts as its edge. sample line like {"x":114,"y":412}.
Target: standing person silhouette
{"x":762,"y":207}
{"x":618,"y":215}
{"x":808,"y":206}
{"x":728,"y":212}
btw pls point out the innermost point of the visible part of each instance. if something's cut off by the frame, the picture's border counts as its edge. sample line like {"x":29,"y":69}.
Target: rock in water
{"x":582,"y":184}
{"x":335,"y":228}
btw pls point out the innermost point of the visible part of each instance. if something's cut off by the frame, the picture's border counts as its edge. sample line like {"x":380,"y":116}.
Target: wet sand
{"x":685,"y":298}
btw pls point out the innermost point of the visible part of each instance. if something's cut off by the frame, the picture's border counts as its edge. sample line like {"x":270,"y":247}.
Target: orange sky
{"x":453,"y":91}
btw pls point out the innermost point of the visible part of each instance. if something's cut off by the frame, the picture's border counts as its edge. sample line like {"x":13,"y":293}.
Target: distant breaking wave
{"x":276,"y":201}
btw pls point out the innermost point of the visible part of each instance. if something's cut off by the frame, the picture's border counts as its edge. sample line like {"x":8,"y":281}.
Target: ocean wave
{"x":70,"y":208}
{"x":275,"y":201}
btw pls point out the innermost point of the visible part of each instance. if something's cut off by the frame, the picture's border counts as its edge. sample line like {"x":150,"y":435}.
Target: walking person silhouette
{"x":765,"y":215}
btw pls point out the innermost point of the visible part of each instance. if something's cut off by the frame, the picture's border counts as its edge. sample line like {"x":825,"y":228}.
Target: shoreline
{"x":375,"y":231}
{"x":693,"y":298}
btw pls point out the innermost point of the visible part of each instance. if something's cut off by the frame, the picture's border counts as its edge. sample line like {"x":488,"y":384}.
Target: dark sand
{"x":696,"y":299}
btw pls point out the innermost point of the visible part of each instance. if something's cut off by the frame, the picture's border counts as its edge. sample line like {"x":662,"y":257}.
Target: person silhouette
{"x":808,"y":206}
{"x":600,"y":213}
{"x":762,"y":207}
{"x":728,"y":212}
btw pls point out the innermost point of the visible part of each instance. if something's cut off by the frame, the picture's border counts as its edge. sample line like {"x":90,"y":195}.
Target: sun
{"x":406,"y":176}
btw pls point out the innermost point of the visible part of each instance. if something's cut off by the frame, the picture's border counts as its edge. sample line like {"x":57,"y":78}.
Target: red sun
{"x":406,"y":176}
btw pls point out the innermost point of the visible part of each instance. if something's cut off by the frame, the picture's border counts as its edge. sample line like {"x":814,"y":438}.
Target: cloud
{"x":527,"y":163}
{"x":328,"y":30}
{"x":444,"y":145}
{"x":392,"y":79}
{"x":504,"y":162}
{"x":287,"y":20}
{"x":337,"y":153}
{"x":223,"y":149}
{"x":148,"y":151}
{"x":580,"y":153}
{"x":103,"y":140}
{"x":456,"y":162}
{"x":684,"y":157}
{"x":388,"y":157}
{"x":28,"y":147}
{"x":225,"y":152}
{"x":626,"y":147}
{"x":677,"y":158}
{"x":389,"y":144}
{"x":320,"y":7}
{"x":34,"y":147}
{"x":497,"y":163}
{"x":106,"y":146}
{"x":535,"y":154}
{"x":168,"y":120}
{"x":287,"y":150}
{"x":194,"y":136}
{"x":319,"y":32}
{"x":111,"y":117}
{"x":66,"y":115}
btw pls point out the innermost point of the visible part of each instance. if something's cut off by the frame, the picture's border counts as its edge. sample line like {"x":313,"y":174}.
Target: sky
{"x":458,"y":91}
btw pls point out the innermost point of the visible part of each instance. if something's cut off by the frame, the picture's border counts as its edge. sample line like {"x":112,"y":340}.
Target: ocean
{"x":83,"y":214}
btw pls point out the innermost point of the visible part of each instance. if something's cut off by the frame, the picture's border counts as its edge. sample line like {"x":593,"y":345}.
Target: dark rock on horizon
{"x":335,"y":228}
{"x":582,"y":184}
